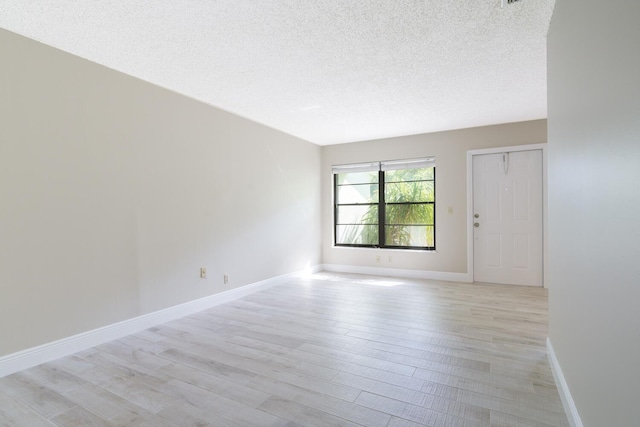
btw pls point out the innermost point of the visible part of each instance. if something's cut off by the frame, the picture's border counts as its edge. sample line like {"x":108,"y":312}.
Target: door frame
{"x":498,"y":150}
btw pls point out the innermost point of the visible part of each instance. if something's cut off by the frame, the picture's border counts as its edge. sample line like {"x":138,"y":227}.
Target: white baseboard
{"x":397,"y":272}
{"x":34,"y":356}
{"x":563,"y":388}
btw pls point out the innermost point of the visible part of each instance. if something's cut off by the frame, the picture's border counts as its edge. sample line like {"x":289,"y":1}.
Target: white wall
{"x":594,"y":205}
{"x":450,"y":150}
{"x":114,"y":192}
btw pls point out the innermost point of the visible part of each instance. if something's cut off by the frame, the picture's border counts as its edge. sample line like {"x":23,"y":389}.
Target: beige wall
{"x":114,"y":192}
{"x":594,"y":205}
{"x":450,"y":149}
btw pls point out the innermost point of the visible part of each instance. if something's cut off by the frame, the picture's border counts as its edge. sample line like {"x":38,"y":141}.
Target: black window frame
{"x":381,"y":205}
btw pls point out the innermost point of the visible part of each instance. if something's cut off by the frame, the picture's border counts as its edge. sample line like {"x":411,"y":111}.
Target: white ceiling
{"x":327,"y":71}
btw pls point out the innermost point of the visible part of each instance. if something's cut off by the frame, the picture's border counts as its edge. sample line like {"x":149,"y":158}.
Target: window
{"x":385,"y":204}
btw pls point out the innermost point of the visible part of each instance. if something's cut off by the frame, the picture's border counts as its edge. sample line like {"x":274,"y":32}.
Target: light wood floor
{"x":334,"y":349}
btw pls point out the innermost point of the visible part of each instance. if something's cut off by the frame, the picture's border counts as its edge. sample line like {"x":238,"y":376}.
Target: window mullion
{"x":381,"y":210}
{"x":335,"y":209}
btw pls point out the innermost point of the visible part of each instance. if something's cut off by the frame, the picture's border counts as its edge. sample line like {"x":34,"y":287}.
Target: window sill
{"x":419,"y":251}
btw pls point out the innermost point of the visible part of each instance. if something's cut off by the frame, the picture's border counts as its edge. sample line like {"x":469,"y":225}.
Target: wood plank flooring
{"x":329,"y":350}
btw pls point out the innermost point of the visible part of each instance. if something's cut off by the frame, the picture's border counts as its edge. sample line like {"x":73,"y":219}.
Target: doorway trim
{"x":497,"y":150}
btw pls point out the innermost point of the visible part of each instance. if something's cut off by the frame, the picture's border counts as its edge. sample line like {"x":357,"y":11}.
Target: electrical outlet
{"x":226,"y":279}
{"x":378,"y":259}
{"x":390,"y":259}
{"x":203,"y":273}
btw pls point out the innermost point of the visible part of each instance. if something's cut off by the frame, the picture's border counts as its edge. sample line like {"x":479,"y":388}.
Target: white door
{"x":507,"y":205}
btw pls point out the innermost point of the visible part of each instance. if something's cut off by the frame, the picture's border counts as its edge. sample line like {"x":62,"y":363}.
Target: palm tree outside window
{"x":388,"y":204}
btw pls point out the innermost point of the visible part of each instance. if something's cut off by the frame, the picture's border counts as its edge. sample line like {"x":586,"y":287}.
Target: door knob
{"x":476,"y":224}
{"x":476,"y":216}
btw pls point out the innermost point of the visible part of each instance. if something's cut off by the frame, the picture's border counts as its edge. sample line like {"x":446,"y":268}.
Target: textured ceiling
{"x":328,"y":71}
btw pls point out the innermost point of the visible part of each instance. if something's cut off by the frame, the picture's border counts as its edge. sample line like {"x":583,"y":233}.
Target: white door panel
{"x":507,"y":203}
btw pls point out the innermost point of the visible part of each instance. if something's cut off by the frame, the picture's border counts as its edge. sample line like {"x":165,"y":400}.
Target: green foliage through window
{"x":388,"y":208}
